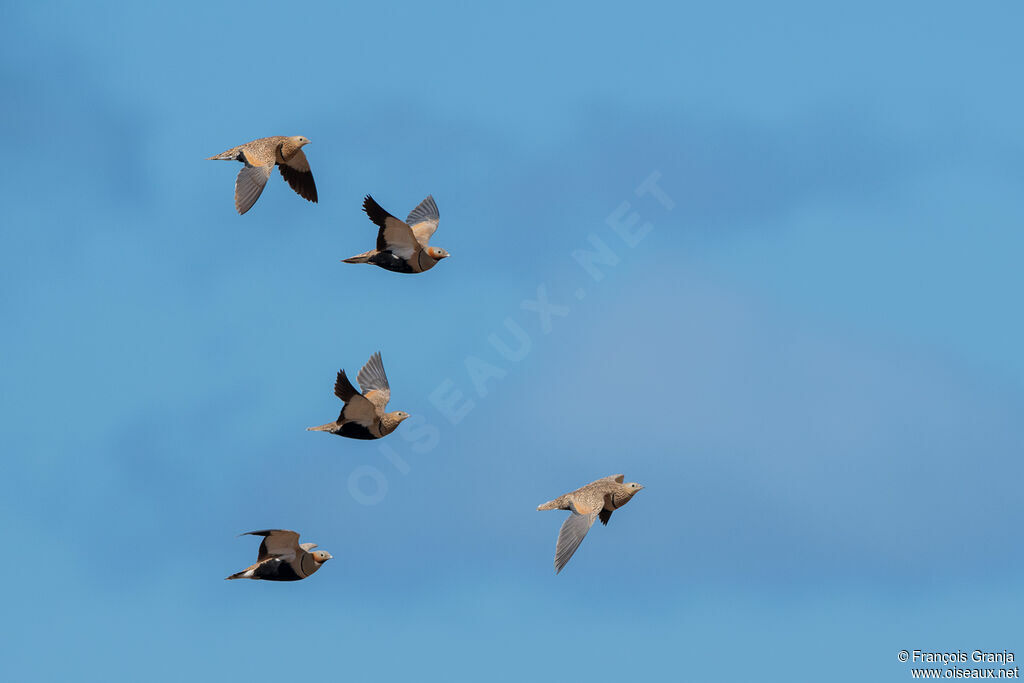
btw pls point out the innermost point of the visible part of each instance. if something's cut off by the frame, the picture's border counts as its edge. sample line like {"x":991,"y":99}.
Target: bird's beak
{"x":329,"y":557}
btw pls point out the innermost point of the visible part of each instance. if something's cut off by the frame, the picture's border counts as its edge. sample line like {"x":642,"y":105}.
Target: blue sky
{"x":811,"y":359}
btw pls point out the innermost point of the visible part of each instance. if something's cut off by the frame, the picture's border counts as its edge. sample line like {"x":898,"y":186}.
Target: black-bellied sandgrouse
{"x":363,"y":416}
{"x":282,"y":557}
{"x":260,"y":157}
{"x":403,"y":247}
{"x":598,"y":499}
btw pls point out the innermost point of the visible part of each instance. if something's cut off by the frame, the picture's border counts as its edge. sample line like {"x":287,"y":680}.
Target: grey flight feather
{"x":424,"y":220}
{"x":371,"y":377}
{"x":249,"y":185}
{"x":572,"y":533}
{"x":425,"y":211}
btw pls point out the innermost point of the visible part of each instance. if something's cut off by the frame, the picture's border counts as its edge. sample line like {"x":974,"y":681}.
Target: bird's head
{"x":630,"y":489}
{"x":299,"y":140}
{"x":437,"y":253}
{"x":321,"y":556}
{"x":399,"y":415}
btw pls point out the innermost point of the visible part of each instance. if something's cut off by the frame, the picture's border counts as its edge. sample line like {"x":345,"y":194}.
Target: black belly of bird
{"x":388,"y":261}
{"x":354,"y":430}
{"x":276,"y":570}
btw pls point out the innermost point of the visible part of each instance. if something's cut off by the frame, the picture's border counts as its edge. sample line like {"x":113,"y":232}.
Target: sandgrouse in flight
{"x":598,"y":499}
{"x":363,"y":416}
{"x":403,"y":247}
{"x":282,"y":557}
{"x":260,"y":157}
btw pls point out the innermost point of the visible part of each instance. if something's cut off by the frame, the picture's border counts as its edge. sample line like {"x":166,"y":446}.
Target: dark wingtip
{"x":343,"y":388}
{"x":375,"y":211}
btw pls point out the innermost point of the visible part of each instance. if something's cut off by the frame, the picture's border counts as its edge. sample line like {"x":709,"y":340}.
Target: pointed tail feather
{"x":550,"y":505}
{"x":233,"y":154}
{"x":360,"y":258}
{"x":330,"y":426}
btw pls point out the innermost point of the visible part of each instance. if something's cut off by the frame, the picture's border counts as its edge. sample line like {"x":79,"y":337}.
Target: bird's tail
{"x":232,"y":154}
{"x":330,"y":426}
{"x":361,"y":258}
{"x":246,"y":574}
{"x":550,"y":505}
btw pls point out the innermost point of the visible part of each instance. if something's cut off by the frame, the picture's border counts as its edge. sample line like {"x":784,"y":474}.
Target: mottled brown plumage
{"x":596,"y":500}
{"x":282,"y":557}
{"x":259,"y":158}
{"x":363,"y":416}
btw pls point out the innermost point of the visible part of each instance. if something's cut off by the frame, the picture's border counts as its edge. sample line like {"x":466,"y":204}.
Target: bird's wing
{"x":604,"y":515}
{"x":379,"y":399}
{"x":250,"y":183}
{"x":296,"y":172}
{"x":276,"y":543}
{"x":357,"y":408}
{"x":343,"y":389}
{"x":618,"y":478}
{"x":361,"y":410}
{"x":394,"y":235}
{"x":308,"y":546}
{"x":424,"y":219}
{"x":374,"y":382}
{"x":574,"y":529}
